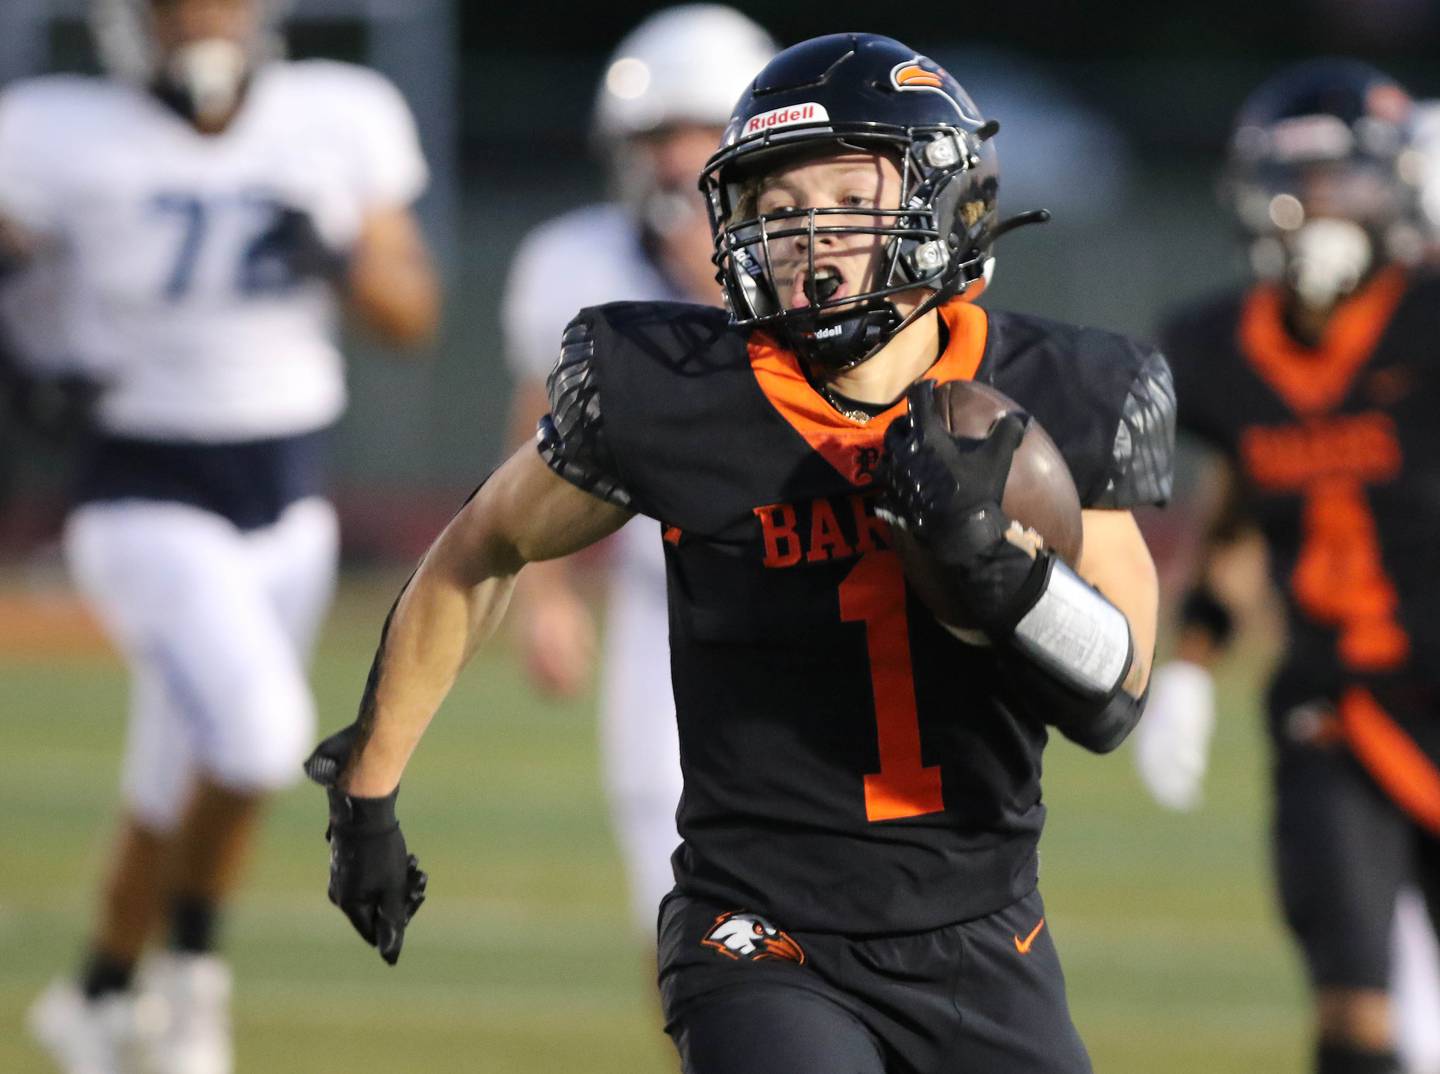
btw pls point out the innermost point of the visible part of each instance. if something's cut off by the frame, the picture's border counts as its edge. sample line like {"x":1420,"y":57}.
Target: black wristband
{"x":1203,"y":610}
{"x":362,"y":816}
{"x":1103,"y":730}
{"x":1098,"y":724}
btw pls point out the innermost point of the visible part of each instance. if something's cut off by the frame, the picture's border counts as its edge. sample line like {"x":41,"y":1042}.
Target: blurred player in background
{"x":1427,"y":140}
{"x":661,"y":108}
{"x":211,"y":211}
{"x":1319,"y":387}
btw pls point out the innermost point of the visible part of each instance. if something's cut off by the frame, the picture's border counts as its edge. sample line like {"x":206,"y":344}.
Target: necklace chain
{"x":846,"y":410}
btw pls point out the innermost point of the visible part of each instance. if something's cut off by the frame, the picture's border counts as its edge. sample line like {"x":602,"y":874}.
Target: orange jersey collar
{"x":1315,"y":381}
{"x":843,"y":442}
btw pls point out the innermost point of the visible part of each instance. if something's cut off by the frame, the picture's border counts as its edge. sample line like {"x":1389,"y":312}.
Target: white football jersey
{"x":154,"y":228}
{"x":586,"y":257}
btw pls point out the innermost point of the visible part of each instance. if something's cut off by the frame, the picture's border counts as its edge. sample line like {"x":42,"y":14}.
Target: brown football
{"x":1039,"y":493}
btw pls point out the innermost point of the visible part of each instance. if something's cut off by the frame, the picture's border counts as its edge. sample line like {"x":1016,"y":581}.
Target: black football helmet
{"x":1324,"y":179}
{"x":870,"y":93}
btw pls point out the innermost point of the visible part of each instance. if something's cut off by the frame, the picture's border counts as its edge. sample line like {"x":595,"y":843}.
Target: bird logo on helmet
{"x":924,"y":76}
{"x":203,"y":79}
{"x":1323,"y":178}
{"x":873,"y":94}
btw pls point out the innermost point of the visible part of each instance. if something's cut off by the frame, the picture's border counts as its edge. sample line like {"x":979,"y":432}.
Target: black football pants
{"x":981,"y":997}
{"x":1343,"y":851}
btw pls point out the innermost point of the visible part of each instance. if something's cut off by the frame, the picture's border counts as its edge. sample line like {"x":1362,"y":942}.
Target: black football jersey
{"x":1337,"y":449}
{"x":849,"y":765}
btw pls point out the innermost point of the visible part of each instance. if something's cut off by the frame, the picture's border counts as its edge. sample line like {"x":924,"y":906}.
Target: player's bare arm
{"x":458,"y":595}
{"x":523,"y":513}
{"x":390,"y":282}
{"x":1117,"y":562}
{"x":1225,"y":584}
{"x":555,"y":627}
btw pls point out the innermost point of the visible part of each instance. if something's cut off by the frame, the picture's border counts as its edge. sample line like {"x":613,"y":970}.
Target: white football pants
{"x":215,"y":625}
{"x":1415,"y":985}
{"x":639,"y":744}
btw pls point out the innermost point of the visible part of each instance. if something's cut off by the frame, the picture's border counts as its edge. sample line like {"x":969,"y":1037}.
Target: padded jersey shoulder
{"x":42,"y":121}
{"x":624,"y":368}
{"x":1105,"y":399}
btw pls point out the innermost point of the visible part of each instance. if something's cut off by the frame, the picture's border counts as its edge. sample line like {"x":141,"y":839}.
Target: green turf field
{"x":522,"y":961}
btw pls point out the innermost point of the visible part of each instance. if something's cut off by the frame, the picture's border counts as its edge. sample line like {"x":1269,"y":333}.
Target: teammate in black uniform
{"x":1318,"y":387}
{"x":856,"y":890}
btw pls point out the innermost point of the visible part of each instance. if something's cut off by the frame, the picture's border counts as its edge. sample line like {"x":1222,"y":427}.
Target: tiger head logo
{"x":751,"y":938}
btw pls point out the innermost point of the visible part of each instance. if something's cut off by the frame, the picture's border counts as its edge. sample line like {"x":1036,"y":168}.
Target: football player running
{"x":1316,"y":388}
{"x":210,"y":209}
{"x":856,"y":886}
{"x":659,"y":113}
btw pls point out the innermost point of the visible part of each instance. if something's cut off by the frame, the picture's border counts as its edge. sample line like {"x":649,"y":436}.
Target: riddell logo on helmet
{"x":784,"y":117}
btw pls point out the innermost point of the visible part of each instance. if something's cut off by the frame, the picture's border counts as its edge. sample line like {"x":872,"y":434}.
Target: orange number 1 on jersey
{"x":873,"y":593}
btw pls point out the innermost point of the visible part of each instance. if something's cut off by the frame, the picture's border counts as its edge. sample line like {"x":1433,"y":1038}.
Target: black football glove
{"x":374,"y":880}
{"x":946,"y":491}
{"x":291,"y":249}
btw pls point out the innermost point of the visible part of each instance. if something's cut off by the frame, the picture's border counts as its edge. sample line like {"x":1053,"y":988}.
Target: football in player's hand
{"x":1040,"y":493}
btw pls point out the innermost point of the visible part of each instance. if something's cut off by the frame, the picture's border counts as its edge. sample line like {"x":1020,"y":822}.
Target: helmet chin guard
{"x":855,"y":93}
{"x":842,"y":340}
{"x":201,"y":80}
{"x":204,"y":80}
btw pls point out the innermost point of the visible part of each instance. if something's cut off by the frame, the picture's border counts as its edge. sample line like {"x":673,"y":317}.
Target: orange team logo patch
{"x":1023,"y":946}
{"x":912,"y":74}
{"x":928,"y":77}
{"x":751,"y":938}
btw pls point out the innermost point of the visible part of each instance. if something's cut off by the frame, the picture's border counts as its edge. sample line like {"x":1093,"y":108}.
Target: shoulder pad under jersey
{"x":1142,"y":456}
{"x":1105,"y":399}
{"x":571,"y":438}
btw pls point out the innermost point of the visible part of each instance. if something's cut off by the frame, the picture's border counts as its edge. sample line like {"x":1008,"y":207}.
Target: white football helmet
{"x":685,"y":65}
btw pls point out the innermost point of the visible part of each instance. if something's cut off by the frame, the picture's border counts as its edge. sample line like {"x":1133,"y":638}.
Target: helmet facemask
{"x":1321,"y":229}
{"x":928,"y":241}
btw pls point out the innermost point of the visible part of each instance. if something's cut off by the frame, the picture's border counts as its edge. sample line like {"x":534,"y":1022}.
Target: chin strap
{"x":842,"y":342}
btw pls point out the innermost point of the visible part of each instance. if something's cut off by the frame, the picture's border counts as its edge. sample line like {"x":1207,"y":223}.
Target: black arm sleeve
{"x":571,"y":438}
{"x":1096,"y":724}
{"x":1142,"y":456}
